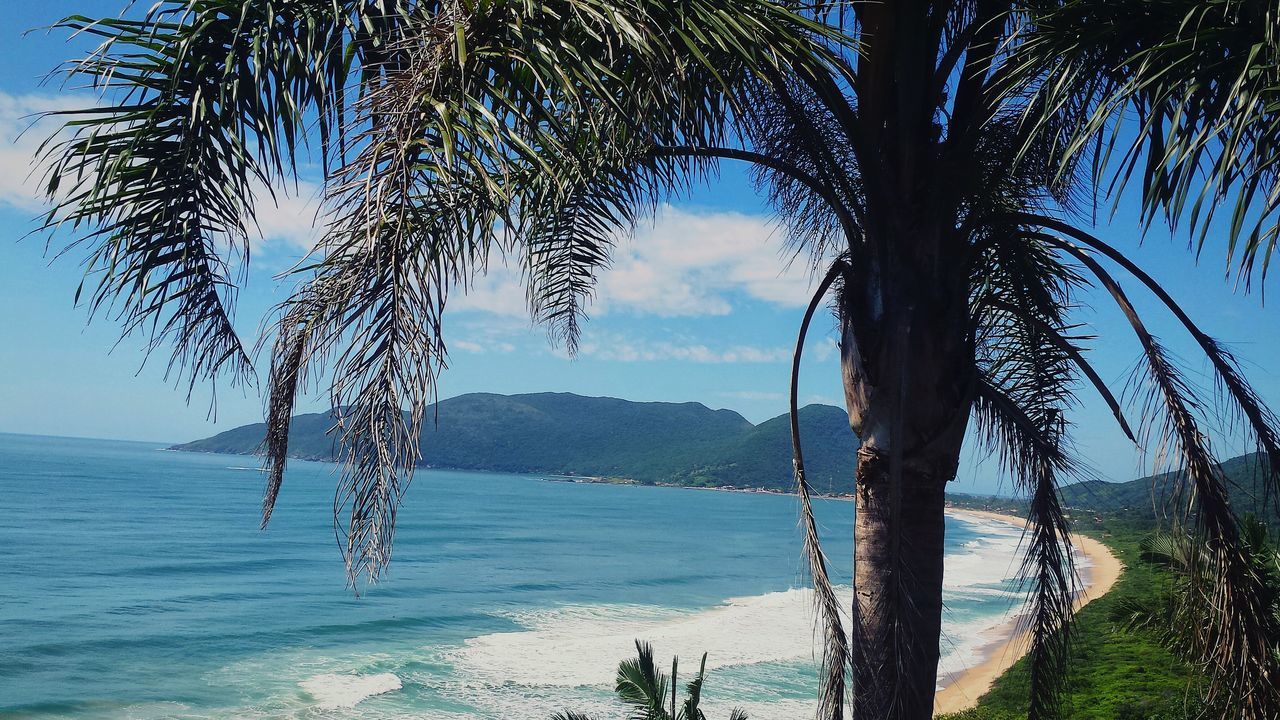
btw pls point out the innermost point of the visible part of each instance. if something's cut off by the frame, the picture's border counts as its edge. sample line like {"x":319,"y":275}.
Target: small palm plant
{"x":651,"y":693}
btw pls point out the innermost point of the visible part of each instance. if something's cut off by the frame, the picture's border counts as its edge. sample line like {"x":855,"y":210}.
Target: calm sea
{"x":136,"y":584}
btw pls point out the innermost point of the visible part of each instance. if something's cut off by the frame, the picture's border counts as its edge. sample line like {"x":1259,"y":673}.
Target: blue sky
{"x":699,"y":306}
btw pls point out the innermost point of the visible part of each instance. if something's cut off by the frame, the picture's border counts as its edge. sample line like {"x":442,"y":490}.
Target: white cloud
{"x":828,"y":347}
{"x":499,"y":292}
{"x":624,"y":350}
{"x":493,"y":335}
{"x":684,"y":263}
{"x":823,"y":400}
{"x":21,"y":132}
{"x":690,"y":263}
{"x":477,"y":348}
{"x":290,"y":217}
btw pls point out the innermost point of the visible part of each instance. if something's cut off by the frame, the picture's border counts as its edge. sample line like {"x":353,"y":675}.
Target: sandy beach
{"x":962,"y":690}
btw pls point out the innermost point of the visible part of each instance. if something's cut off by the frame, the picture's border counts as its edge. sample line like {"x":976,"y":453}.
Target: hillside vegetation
{"x":1147,"y":499}
{"x":1157,"y":496}
{"x":566,"y":434}
{"x":689,"y":444}
{"x":1117,"y":673}
{"x":1114,"y":673}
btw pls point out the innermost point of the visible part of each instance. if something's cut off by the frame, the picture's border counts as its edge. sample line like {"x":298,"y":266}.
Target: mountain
{"x":566,"y":434}
{"x":1146,"y":497}
{"x":765,"y":451}
{"x":1150,"y":497}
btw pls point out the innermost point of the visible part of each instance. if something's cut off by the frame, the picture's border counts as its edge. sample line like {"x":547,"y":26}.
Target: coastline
{"x":961,"y":690}
{"x":1001,"y":645}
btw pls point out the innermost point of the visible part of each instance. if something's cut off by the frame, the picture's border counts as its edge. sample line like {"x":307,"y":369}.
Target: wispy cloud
{"x":827,"y":348}
{"x":476,"y":348}
{"x":493,"y":335}
{"x":499,"y":292}
{"x":682,"y":264}
{"x":21,"y":132}
{"x":823,"y":400}
{"x":626,"y":350}
{"x":691,"y":263}
{"x":288,"y":216}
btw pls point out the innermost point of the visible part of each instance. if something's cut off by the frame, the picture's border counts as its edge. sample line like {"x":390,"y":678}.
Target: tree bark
{"x":898,"y":602}
{"x":907,"y":364}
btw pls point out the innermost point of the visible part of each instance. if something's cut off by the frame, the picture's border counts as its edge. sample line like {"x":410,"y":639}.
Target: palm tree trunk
{"x":907,"y":366}
{"x":898,"y":602}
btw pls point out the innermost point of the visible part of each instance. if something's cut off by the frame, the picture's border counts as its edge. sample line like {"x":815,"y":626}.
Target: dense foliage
{"x":566,"y":434}
{"x":1176,"y":618}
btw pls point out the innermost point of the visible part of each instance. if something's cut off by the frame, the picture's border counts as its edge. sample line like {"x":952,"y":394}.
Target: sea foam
{"x":578,"y":646}
{"x":335,"y":691}
{"x":581,"y":645}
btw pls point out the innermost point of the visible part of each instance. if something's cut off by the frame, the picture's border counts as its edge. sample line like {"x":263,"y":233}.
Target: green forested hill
{"x":568,"y":434}
{"x":684,"y":443}
{"x":1149,"y":498}
{"x":765,"y":451}
{"x":1156,"y":495}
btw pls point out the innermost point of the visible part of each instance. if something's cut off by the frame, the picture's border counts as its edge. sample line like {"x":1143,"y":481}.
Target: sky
{"x":700,"y":304}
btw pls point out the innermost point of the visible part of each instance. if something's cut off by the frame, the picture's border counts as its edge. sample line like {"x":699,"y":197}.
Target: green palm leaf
{"x":642,"y":686}
{"x":1200,"y":81}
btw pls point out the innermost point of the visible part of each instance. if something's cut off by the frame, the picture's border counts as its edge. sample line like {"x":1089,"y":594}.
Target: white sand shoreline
{"x":961,"y":690}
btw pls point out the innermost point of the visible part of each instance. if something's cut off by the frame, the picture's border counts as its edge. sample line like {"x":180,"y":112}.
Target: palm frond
{"x":1252,"y":414}
{"x":1048,"y":565}
{"x":691,"y":709}
{"x":642,"y":685}
{"x":202,"y":105}
{"x":1021,"y":299}
{"x":1062,"y":343}
{"x":571,"y":218}
{"x":1198,"y":81}
{"x":1175,"y":618}
{"x":836,"y":652}
{"x":496,"y":126}
{"x":811,"y":177}
{"x":1162,"y":617}
{"x":307,"y":327}
{"x":1241,"y":665}
{"x":1171,"y":551}
{"x":288,"y":367}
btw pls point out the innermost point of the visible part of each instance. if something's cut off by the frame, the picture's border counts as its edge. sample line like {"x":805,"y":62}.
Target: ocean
{"x":137,"y":585}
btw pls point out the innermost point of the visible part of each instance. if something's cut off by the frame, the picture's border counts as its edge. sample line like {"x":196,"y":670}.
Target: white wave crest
{"x":334,"y":691}
{"x":579,"y":646}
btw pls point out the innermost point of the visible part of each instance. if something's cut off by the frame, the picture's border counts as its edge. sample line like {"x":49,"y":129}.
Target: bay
{"x":138,"y":585}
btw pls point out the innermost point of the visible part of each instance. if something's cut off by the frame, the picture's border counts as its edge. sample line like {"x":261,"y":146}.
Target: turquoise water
{"x":137,"y":585}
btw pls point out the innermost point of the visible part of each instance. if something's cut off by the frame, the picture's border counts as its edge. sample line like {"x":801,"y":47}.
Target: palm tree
{"x":644,"y":687}
{"x":1178,"y":618}
{"x":926,"y":156}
